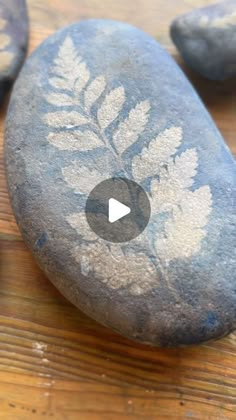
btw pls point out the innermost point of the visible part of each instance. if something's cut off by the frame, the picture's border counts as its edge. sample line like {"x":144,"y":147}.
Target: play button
{"x":118,"y":210}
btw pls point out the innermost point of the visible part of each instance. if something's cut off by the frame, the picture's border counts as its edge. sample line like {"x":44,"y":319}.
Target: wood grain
{"x":57,"y":363}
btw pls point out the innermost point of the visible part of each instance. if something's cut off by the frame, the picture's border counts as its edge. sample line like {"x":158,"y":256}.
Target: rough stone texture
{"x":13,"y":40}
{"x":206,"y":39}
{"x":101,"y":99}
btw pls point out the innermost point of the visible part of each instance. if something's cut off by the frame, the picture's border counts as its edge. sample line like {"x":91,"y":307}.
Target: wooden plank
{"x":54,"y":360}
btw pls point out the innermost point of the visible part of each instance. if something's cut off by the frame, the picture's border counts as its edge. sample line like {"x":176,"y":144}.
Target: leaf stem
{"x":105,"y":140}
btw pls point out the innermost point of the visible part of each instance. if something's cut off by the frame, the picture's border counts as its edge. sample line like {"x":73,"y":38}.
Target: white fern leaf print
{"x":79,"y":222}
{"x":130,"y":129}
{"x":133,"y":272}
{"x":111,"y":107}
{"x":66,"y":53}
{"x":83,"y":78}
{"x":81,"y":178}
{"x":67,"y":64}
{"x":59,"y":99}
{"x":65,"y":119}
{"x":184,"y":231}
{"x":184,"y":167}
{"x":180,"y":211}
{"x":94,"y":91}
{"x":174,"y":179}
{"x":75,"y":140}
{"x":157,"y":153}
{"x":58,"y":83}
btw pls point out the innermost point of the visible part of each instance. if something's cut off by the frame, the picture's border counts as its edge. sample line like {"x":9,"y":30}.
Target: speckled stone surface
{"x":206,"y":39}
{"x":13,"y":40}
{"x":102,"y":99}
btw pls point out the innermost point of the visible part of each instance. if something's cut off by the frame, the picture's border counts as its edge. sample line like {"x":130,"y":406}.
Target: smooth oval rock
{"x":206,"y":39}
{"x":13,"y":40}
{"x":101,"y":99}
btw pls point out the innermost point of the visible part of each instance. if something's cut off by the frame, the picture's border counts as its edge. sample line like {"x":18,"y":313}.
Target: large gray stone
{"x":101,"y":99}
{"x":13,"y":40}
{"x":206,"y":39}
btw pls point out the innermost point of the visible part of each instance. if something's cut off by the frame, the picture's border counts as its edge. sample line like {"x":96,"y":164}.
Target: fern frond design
{"x":188,"y":211}
{"x":130,"y":129}
{"x":133,"y":272}
{"x":60,"y":99}
{"x":157,"y":153}
{"x":82,"y":179}
{"x":84,"y":141}
{"x":64,"y":119}
{"x":83,"y":111}
{"x":111,"y":107}
{"x":6,"y":56}
{"x":174,"y":179}
{"x":93,"y":92}
{"x":184,"y":231}
{"x":66,"y":72}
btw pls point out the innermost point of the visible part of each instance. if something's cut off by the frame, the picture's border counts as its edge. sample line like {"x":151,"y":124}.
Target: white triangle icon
{"x":116,"y":210}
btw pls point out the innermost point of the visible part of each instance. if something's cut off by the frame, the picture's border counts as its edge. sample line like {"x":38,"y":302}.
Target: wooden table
{"x":56,"y":362}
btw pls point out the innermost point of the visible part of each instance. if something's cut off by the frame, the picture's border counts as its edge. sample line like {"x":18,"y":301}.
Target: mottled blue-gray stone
{"x":101,"y":99}
{"x":13,"y":40}
{"x":206,"y":39}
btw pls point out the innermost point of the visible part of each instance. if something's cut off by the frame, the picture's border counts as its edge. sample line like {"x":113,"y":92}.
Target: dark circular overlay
{"x":126,"y":192}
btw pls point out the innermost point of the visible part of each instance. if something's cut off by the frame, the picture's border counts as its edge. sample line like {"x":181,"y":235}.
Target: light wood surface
{"x":57,"y":363}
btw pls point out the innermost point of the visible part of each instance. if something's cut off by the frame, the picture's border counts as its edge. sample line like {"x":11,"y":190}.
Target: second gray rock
{"x":206,"y":39}
{"x":14,"y":32}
